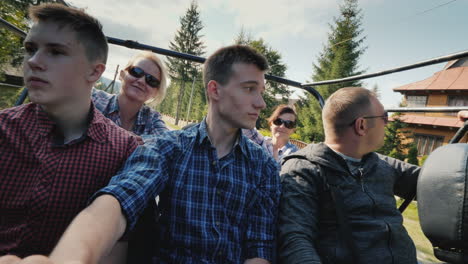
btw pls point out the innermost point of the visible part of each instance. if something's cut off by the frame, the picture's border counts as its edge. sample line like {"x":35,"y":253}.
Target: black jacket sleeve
{"x":406,"y":176}
{"x":298,"y":212}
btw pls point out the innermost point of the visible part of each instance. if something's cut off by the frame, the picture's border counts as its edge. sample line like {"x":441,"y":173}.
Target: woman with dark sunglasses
{"x":144,"y":81}
{"x":282,"y":124}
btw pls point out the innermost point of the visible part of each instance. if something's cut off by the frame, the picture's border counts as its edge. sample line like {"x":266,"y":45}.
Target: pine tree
{"x":277,"y":68}
{"x":396,"y":138}
{"x":376,"y":90}
{"x":339,"y":59}
{"x":413,"y":155}
{"x":183,"y":72}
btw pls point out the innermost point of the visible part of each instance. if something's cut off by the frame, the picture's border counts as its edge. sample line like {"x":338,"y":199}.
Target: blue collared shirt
{"x":267,"y":145}
{"x":212,"y":210}
{"x":148,"y":121}
{"x":287,"y":149}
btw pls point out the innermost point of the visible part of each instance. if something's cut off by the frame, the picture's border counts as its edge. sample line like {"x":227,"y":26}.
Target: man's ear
{"x":361,"y":126}
{"x":96,"y":71}
{"x":213,"y":90}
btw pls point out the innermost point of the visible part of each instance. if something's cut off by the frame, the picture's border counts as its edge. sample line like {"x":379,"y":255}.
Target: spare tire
{"x":442,"y":196}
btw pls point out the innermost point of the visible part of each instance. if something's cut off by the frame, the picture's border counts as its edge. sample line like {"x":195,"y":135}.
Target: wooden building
{"x":448,"y":87}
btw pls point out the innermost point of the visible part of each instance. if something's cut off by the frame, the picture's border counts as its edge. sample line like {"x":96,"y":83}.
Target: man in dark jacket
{"x":345,"y":172}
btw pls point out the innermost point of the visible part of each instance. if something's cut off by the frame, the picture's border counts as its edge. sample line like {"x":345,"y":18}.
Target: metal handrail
{"x":460,"y":133}
{"x":397,"y":69}
{"x":16,"y":30}
{"x":136,"y":45}
{"x":307,"y":86}
{"x":445,"y":109}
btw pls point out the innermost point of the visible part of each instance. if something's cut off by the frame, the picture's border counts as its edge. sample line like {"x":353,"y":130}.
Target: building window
{"x":457,"y":100}
{"x":427,"y":143}
{"x":416,"y":100}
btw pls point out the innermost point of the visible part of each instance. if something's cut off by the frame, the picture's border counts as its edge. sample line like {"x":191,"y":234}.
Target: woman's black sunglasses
{"x":287,"y":123}
{"x":137,"y":72}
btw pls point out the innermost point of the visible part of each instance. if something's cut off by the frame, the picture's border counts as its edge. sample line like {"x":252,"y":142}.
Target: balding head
{"x":343,"y":107}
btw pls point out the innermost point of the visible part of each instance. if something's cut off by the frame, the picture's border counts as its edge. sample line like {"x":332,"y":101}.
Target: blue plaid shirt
{"x":148,"y":121}
{"x":287,"y":149}
{"x":212,"y":210}
{"x":267,"y":144}
{"x":257,"y":138}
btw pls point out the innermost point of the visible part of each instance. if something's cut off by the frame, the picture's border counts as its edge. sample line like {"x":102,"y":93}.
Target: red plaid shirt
{"x":44,"y":184}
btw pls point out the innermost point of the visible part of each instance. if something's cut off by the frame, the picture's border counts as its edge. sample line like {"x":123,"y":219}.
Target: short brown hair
{"x":344,"y":106}
{"x":218,"y":66}
{"x":88,"y":29}
{"x":281,"y":109}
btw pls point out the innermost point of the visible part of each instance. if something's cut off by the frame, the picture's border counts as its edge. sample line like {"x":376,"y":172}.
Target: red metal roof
{"x":431,"y":120}
{"x":445,"y":80}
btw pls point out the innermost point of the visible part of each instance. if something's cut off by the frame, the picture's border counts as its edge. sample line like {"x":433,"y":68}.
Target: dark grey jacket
{"x":308,"y":231}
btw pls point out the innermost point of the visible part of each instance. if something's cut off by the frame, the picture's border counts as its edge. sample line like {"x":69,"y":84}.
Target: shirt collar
{"x":242,"y":143}
{"x":142,"y":114}
{"x":288,"y":144}
{"x":202,"y":132}
{"x":97,"y":125}
{"x":114,"y":104}
{"x":44,"y":123}
{"x":241,"y":140}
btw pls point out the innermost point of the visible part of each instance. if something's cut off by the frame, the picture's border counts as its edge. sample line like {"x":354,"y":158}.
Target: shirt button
{"x":214,"y":163}
{"x":218,"y":192}
{"x":217,"y":223}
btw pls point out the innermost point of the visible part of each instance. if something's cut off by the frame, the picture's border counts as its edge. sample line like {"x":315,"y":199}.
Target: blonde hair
{"x":344,"y":106}
{"x":162,"y":69}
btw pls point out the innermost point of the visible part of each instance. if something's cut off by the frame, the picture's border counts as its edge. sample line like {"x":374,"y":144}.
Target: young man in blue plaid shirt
{"x":218,"y":191}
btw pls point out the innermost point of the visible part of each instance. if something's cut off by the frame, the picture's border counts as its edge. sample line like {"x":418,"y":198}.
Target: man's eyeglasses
{"x":138,"y":72}
{"x":384,"y":118}
{"x":287,"y":123}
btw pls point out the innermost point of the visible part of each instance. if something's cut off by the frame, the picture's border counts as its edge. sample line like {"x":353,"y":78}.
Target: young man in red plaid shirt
{"x":58,"y":150}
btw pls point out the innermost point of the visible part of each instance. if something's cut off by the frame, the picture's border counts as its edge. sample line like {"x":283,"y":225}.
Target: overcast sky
{"x":398,"y":32}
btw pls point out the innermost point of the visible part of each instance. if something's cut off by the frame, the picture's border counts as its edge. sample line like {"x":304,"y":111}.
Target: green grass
{"x":8,"y":96}
{"x":411,"y":223}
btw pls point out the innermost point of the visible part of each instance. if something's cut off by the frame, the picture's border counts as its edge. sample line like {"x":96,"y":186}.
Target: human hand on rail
{"x":462,"y":115}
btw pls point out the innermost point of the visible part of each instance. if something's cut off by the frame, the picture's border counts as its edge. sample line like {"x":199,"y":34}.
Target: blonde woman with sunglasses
{"x":144,"y":81}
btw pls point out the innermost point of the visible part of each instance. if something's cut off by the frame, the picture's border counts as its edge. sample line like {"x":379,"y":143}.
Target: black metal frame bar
{"x":136,"y":45}
{"x":394,"y":70}
{"x":445,"y":109}
{"x":16,"y":30}
{"x":308,"y":86}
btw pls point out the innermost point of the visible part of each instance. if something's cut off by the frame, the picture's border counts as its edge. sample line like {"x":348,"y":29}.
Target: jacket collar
{"x":325,"y":156}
